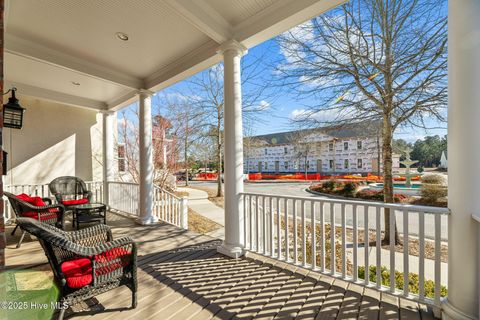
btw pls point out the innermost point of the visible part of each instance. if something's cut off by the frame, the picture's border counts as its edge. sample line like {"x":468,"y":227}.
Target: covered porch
{"x":77,"y":73}
{"x":182,"y":276}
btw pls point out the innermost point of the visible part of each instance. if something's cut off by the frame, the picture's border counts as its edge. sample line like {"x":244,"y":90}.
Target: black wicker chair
{"x":48,"y":213}
{"x":101,"y":263}
{"x":70,"y":191}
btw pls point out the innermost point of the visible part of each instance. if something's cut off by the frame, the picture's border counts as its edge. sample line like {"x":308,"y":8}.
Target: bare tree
{"x":207,"y":90}
{"x":382,"y":60}
{"x":188,"y":122}
{"x":164,"y":147}
{"x":302,"y":147}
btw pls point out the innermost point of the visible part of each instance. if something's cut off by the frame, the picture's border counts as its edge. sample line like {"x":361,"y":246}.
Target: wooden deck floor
{"x":181,"y":276}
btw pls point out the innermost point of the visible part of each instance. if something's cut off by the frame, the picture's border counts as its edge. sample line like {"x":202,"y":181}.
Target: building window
{"x":121,"y":158}
{"x":345,"y":146}
{"x":359,"y":145}
{"x":330,"y":147}
{"x":331,"y":164}
{"x":265,"y":151}
{"x":345,"y":163}
{"x":359,"y":163}
{"x":285,"y":150}
{"x":286,"y":165}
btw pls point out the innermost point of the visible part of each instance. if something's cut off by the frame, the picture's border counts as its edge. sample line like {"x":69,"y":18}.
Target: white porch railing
{"x":124,"y":196}
{"x":41,"y":190}
{"x":270,"y":221}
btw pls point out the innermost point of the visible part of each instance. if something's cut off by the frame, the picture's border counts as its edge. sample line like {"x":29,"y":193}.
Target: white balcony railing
{"x":124,"y":197}
{"x":41,"y":190}
{"x":270,"y":221}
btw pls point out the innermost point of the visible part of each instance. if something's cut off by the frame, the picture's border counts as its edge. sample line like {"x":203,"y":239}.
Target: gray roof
{"x":352,"y":130}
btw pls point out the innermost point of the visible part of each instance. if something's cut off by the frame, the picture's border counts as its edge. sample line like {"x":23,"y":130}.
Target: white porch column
{"x":108,"y":118}
{"x":463,"y":159}
{"x":234,"y":243}
{"x":146,"y":158}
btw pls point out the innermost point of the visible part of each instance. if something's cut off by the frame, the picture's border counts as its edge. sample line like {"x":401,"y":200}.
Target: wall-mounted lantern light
{"x":12,"y":112}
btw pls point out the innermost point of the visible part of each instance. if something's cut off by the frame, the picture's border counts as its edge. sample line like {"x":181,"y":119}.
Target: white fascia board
{"x":202,"y":16}
{"x":45,"y":94}
{"x":280,"y":17}
{"x":188,"y":65}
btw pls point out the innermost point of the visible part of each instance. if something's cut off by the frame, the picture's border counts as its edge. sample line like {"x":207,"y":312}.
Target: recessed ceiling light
{"x":122,"y":36}
{"x":75,"y":83}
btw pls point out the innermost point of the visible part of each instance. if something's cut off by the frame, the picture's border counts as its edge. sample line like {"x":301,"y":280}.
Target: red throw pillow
{"x":25,"y":197}
{"x":74,"y":202}
{"x":78,"y":272}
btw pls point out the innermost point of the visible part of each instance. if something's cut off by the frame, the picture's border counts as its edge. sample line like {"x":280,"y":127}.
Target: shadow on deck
{"x":181,"y":276}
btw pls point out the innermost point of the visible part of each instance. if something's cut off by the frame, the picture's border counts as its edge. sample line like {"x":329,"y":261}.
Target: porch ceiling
{"x":51,"y":44}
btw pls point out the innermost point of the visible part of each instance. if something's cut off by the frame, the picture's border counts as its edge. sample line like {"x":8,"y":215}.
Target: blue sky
{"x":284,"y":106}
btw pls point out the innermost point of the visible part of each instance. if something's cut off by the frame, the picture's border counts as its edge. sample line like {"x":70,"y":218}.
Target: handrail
{"x":396,"y":206}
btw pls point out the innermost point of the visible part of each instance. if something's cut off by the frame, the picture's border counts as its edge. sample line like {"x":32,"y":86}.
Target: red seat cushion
{"x":43,"y":216}
{"x":74,"y":202}
{"x":78,"y":272}
{"x":111,"y":260}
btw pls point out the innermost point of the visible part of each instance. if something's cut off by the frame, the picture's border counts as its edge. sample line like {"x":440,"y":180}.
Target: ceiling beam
{"x":50,"y":95}
{"x":38,"y":52}
{"x":187,"y":65}
{"x":278,"y":18}
{"x":202,"y":16}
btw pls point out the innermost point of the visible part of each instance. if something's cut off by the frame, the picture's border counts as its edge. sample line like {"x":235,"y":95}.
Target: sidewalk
{"x":198,"y":202}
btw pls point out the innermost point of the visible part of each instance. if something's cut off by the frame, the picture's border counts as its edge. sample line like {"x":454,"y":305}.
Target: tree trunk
{"x":219,"y":154}
{"x":388,"y":178}
{"x":186,"y":159}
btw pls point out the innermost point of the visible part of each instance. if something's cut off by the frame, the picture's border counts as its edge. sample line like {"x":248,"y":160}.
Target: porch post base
{"x":231,"y":251}
{"x":147,"y":220}
{"x":449,"y":312}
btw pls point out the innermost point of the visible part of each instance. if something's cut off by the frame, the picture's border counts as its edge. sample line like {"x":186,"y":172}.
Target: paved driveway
{"x":298,"y":189}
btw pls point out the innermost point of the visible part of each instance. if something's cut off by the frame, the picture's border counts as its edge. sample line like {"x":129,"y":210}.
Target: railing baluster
{"x":257,"y":227}
{"x":251,"y":221}
{"x":272,"y":230}
{"x":322,"y":236}
{"x":405,"y":252}
{"x":366,"y":240}
{"x":438,"y":258}
{"x":421,"y":255}
{"x":378,"y":234}
{"x":344,"y":241}
{"x":264,"y":225}
{"x":355,"y":243}
{"x":332,"y":239}
{"x":295,"y":233}
{"x":304,"y":234}
{"x":392,"y":251}
{"x":314,"y":235}
{"x":245,"y":219}
{"x":279,"y":231}
{"x":287,"y":240}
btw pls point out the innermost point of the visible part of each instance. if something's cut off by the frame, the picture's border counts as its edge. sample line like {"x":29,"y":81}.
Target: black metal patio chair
{"x":36,"y":208}
{"x":70,"y":191}
{"x":87,"y":262}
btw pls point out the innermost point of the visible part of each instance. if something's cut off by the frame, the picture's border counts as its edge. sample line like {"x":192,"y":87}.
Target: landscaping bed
{"x":359,"y":190}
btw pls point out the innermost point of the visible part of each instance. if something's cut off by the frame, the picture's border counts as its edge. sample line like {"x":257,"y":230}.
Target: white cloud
{"x":263,"y":105}
{"x":325,"y":115}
